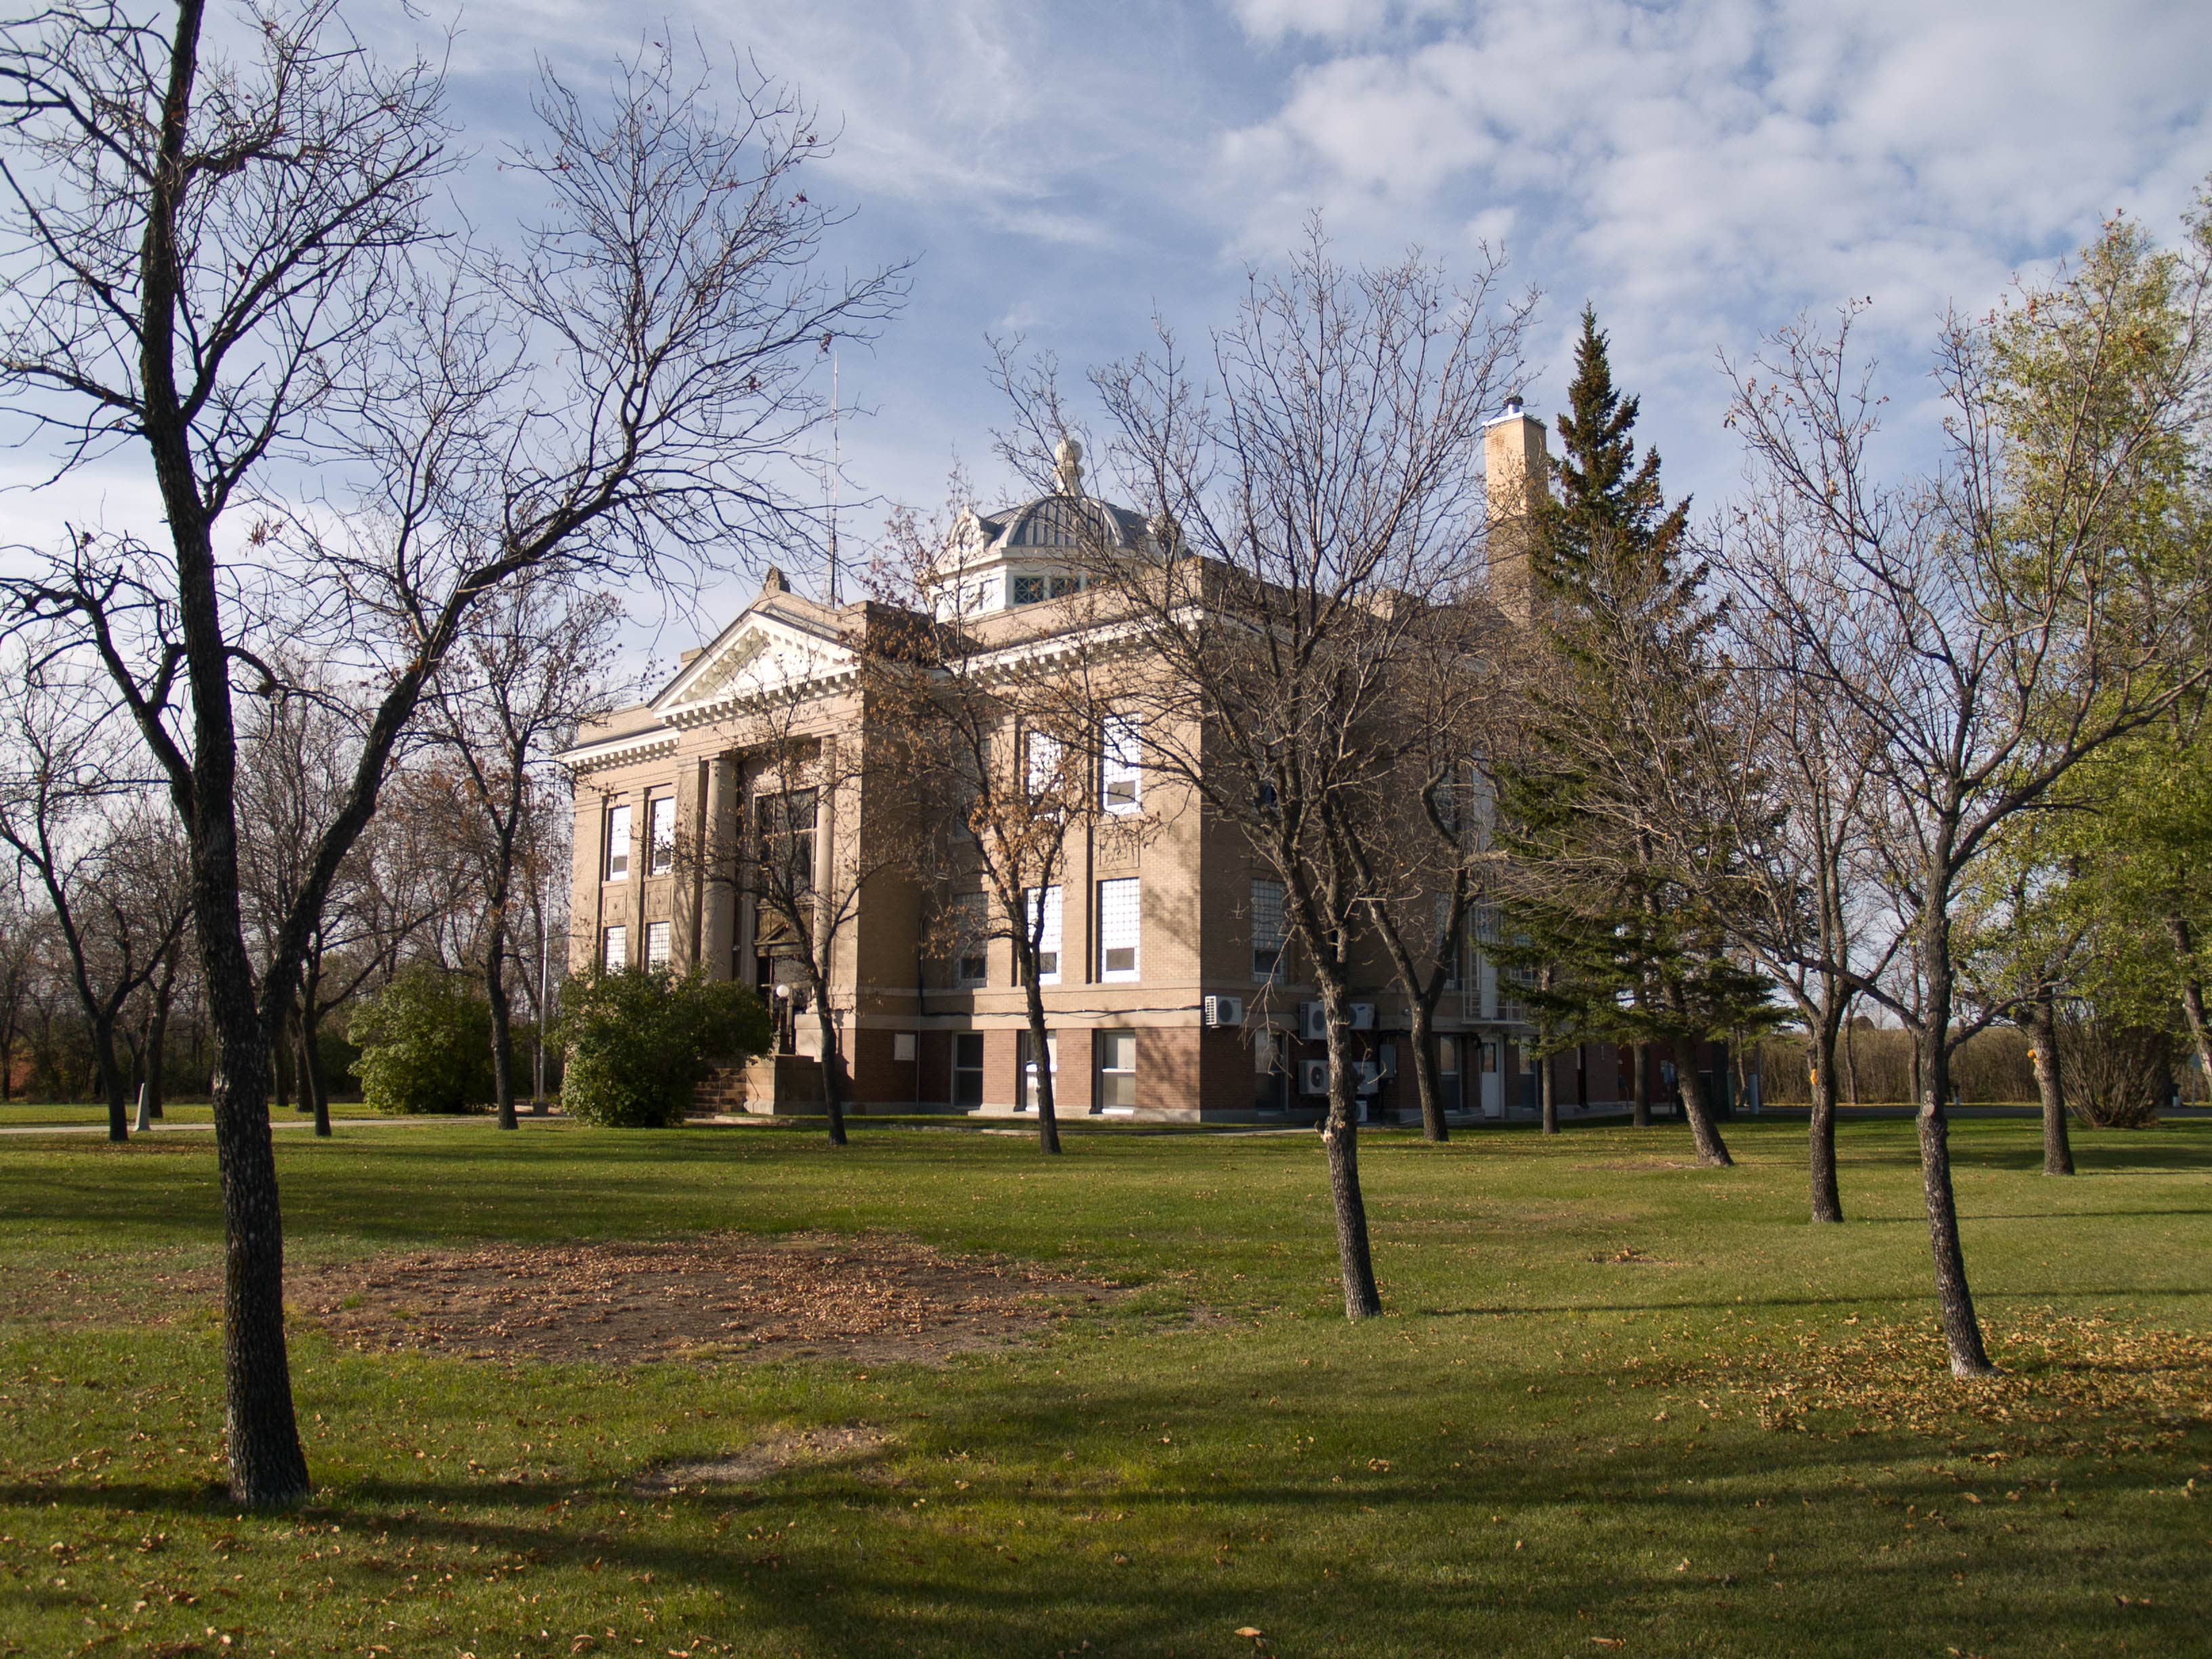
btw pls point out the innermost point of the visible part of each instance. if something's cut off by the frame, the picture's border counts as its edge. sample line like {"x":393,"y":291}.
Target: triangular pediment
{"x":759,"y":654}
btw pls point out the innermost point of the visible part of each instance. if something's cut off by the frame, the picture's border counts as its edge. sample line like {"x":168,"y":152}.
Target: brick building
{"x":1169,"y":994}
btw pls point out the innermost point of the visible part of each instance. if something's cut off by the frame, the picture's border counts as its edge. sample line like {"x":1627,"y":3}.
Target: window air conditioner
{"x":1224,"y":1011}
{"x":1312,"y":1077}
{"x":1363,"y":1016}
{"x":1313,"y":1025}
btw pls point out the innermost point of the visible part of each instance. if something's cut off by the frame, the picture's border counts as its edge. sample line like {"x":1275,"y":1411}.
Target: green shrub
{"x":638,"y":1039}
{"x":425,"y":1042}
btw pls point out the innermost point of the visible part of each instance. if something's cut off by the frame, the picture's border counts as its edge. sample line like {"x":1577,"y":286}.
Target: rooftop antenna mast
{"x":836,"y":468}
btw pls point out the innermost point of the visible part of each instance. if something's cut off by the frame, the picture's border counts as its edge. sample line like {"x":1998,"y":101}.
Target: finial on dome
{"x":1067,"y":461}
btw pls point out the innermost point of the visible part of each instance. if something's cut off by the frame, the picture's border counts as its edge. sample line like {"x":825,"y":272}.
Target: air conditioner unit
{"x":1312,"y":1077}
{"x":1369,"y":1077}
{"x":1313,"y":1025}
{"x":1363,"y":1016}
{"x":1224,"y":1011}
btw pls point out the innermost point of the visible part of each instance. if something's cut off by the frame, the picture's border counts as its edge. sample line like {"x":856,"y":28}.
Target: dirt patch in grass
{"x":2071,"y":1383}
{"x":831,"y":1447}
{"x":872,"y":1300}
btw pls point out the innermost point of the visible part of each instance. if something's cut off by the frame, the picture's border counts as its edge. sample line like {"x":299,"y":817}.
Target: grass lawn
{"x":1618,"y":1404}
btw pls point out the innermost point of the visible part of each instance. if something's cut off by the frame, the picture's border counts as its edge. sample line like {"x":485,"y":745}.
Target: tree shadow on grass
{"x":1597,"y":1505}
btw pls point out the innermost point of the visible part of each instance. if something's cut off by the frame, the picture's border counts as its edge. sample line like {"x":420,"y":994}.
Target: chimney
{"x":1516,"y":467}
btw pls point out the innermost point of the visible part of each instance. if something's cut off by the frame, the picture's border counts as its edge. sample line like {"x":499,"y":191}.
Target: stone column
{"x":688,"y":875}
{"x":718,"y":894}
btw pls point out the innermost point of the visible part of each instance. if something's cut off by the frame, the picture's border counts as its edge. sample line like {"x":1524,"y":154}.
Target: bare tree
{"x":227,"y":263}
{"x":1984,"y":632}
{"x":1779,"y":766}
{"x":533,"y":666}
{"x":998,"y":736}
{"x":85,"y":830}
{"x":1317,"y":491}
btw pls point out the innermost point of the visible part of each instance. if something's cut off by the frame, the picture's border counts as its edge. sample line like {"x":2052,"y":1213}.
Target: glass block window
{"x":1121,"y":782}
{"x":1119,"y":924}
{"x":1044,"y":909}
{"x":1267,"y":934}
{"x":660,"y":834}
{"x":614,"y":952}
{"x":971,"y":936}
{"x":657,"y":943}
{"x":1042,"y":757}
{"x":618,"y":843}
{"x":1117,"y":1070}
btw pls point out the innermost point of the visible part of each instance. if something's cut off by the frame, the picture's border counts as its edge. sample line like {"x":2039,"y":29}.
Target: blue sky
{"x":1699,"y":170}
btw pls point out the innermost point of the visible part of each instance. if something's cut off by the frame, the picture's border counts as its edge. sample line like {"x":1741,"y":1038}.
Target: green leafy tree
{"x":637,"y":1041}
{"x":425,"y":1042}
{"x":1618,"y":677}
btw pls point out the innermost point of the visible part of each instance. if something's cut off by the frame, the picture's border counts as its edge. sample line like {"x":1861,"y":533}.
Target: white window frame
{"x":616,"y":862}
{"x":1107,"y":1039}
{"x":614,"y":947}
{"x":1025,"y":1071}
{"x":1120,"y":764}
{"x":1049,"y":938}
{"x":1120,"y":921}
{"x":660,"y":836}
{"x":659,"y":944}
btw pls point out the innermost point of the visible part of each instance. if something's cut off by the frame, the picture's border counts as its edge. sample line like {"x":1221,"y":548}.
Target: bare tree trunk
{"x":1041,"y":1053}
{"x":114,"y":1082}
{"x":833,"y":1064}
{"x":1641,"y":1086}
{"x":1713,"y":1151}
{"x":502,"y":1015}
{"x":2043,"y":1026}
{"x":1339,"y":1137}
{"x":1851,"y":1058}
{"x":1427,"y":1088}
{"x":1955,"y":1299}
{"x":318,"y":1087}
{"x":1827,"y":1198}
{"x":1547,"y":1094}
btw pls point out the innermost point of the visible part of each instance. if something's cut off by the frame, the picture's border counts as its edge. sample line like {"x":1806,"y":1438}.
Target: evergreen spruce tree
{"x":1608,"y":947}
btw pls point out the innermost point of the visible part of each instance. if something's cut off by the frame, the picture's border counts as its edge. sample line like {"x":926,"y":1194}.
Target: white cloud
{"x":1704,"y":170}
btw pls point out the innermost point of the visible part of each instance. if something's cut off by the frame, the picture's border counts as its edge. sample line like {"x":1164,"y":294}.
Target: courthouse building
{"x":1166,"y":987}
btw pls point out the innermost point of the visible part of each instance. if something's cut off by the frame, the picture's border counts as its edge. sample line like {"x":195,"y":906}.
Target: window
{"x":1064,"y":585}
{"x":968,"y":1069}
{"x":971,"y":935}
{"x":1117,"y":1070}
{"x":656,"y":944}
{"x":1270,"y":1070}
{"x":1044,"y":933}
{"x":1119,"y":922}
{"x":1121,"y":785}
{"x":615,"y":955}
{"x":618,"y":843}
{"x":1030,"y":1072}
{"x":660,"y":834}
{"x":1044,"y":752}
{"x":785,"y":827}
{"x":1268,"y":932}
{"x":1448,"y":1082}
{"x":1028,"y":590}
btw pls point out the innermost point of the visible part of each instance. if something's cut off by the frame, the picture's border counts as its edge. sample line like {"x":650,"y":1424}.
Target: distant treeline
{"x":1874,"y":1066}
